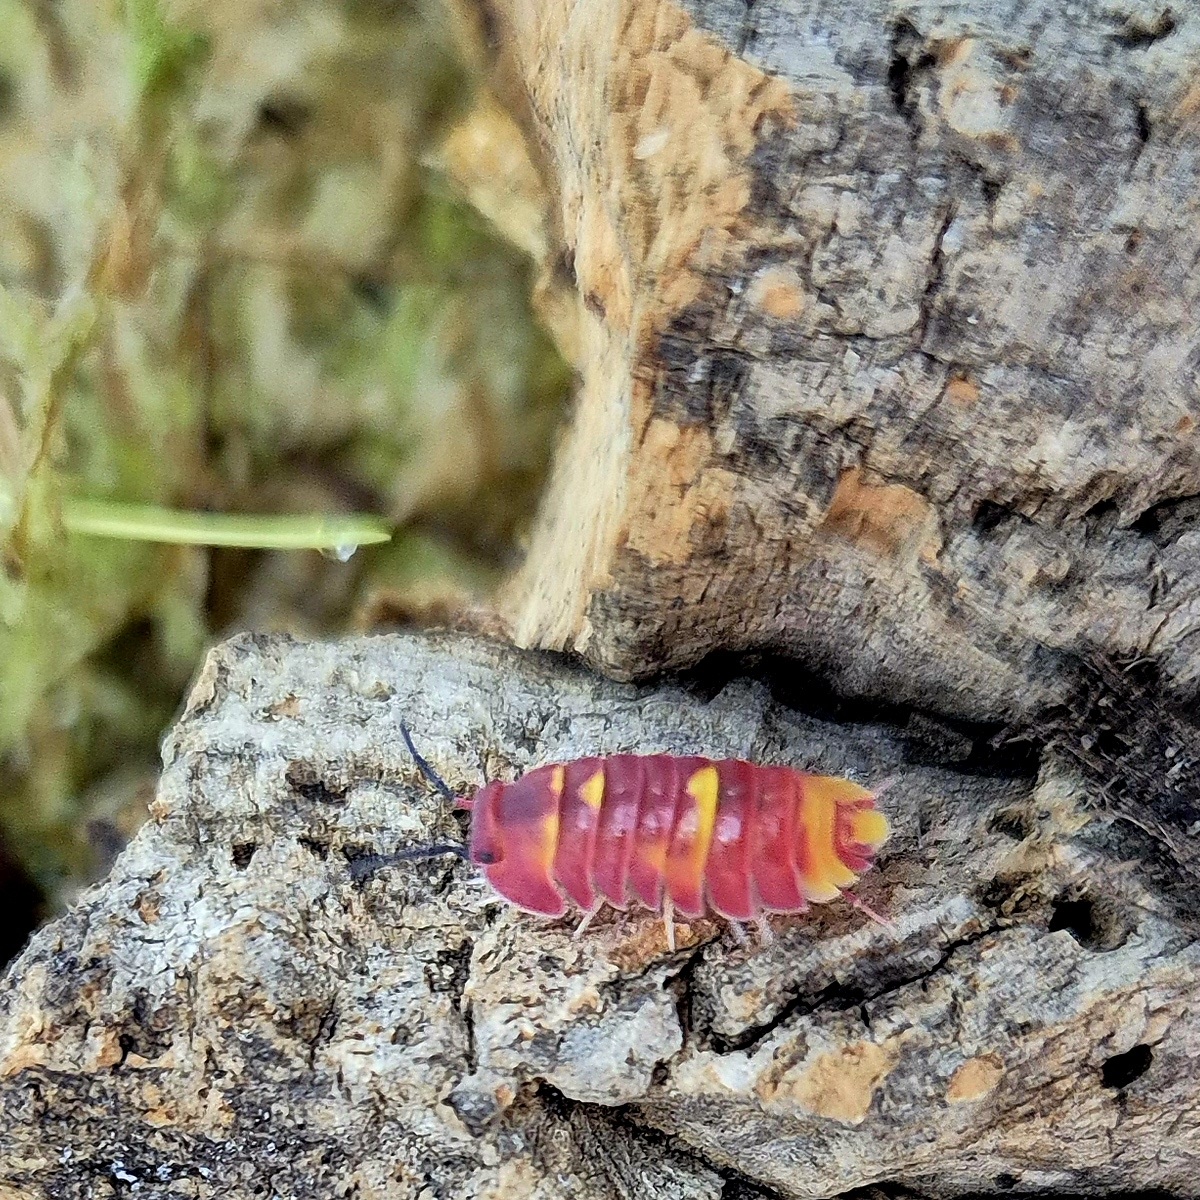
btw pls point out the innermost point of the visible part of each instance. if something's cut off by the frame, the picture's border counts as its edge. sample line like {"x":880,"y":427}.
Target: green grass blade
{"x":148,"y":523}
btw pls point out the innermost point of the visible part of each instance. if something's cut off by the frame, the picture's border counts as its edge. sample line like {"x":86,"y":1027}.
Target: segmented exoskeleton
{"x":676,"y":834}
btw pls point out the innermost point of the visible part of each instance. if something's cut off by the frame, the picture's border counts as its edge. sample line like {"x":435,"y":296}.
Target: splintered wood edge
{"x":653,"y":179}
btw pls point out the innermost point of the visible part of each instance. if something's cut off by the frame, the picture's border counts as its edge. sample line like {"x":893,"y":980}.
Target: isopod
{"x":676,"y":834}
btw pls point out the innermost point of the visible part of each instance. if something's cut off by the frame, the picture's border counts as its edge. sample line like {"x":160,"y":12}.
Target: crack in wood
{"x":840,"y":998}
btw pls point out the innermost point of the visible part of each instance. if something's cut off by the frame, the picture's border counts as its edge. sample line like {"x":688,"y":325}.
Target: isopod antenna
{"x":363,"y":866}
{"x":370,"y":863}
{"x":417,"y":852}
{"x":425,"y":769}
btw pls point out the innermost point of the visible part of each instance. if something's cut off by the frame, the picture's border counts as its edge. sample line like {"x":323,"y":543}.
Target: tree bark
{"x":888,"y":339}
{"x":256,"y":1002}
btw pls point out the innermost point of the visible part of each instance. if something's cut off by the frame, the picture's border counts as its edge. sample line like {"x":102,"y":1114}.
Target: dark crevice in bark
{"x":990,"y":185}
{"x":1121,"y":1070}
{"x":1165,"y":522}
{"x":839,"y":997}
{"x":1085,"y":920}
{"x":1143,"y":129}
{"x":697,"y":380}
{"x":937,"y":271}
{"x":326,"y":1027}
{"x":628,"y":1122}
{"x":908,"y":59}
{"x":318,"y":847}
{"x":308,"y":781}
{"x":1142,"y":121}
{"x":597,"y":1129}
{"x":468,"y":1018}
{"x":748,"y":31}
{"x":681,"y":984}
{"x":1139,"y":33}
{"x":741,"y":1189}
{"x":242,"y":853}
{"x":990,"y":516}
{"x":1125,"y":735}
{"x":448,"y":974}
{"x":929,"y":738}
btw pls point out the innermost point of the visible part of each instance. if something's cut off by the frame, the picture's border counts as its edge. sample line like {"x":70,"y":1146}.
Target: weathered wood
{"x":888,"y":340}
{"x":253,"y":1004}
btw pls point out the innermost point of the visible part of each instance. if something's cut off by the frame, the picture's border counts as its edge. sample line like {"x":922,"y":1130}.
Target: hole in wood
{"x":1122,"y":1069}
{"x":243,"y":852}
{"x":1075,"y":916}
{"x":1096,"y":925}
{"x":306,"y":779}
{"x":317,"y":847}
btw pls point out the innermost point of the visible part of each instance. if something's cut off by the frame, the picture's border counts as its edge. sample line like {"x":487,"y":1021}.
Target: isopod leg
{"x":765,"y":932}
{"x":669,"y":920}
{"x":870,"y":912}
{"x":587,"y":919}
{"x":739,"y":934}
{"x":879,"y":789}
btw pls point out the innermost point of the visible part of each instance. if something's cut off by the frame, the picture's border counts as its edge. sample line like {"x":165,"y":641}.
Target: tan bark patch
{"x":839,"y":1084}
{"x":962,"y":391}
{"x":673,"y":495}
{"x":649,"y":942}
{"x":653,"y":124}
{"x":888,"y":519}
{"x":779,"y":292}
{"x":102,"y":1049}
{"x":22,"y":1058}
{"x":148,"y":907}
{"x":975,"y":1078}
{"x":1189,"y":106}
{"x":285,"y":709}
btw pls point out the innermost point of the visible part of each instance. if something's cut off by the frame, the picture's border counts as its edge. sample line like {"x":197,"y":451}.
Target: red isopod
{"x":675,"y":834}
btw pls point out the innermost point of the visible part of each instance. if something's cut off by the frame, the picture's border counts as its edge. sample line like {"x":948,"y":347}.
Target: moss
{"x":233,"y":284}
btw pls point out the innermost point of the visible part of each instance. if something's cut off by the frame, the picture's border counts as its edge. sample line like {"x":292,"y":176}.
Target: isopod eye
{"x":487,"y":847}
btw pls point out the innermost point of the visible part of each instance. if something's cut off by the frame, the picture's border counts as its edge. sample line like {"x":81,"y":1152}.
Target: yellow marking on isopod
{"x":592,"y":792}
{"x":654,"y":855}
{"x":703,"y":787}
{"x":869,"y":827}
{"x":549,"y":846}
{"x":551,"y":824}
{"x":825,"y":874}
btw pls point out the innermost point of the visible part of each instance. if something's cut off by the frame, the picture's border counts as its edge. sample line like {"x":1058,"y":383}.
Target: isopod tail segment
{"x":678,"y":835}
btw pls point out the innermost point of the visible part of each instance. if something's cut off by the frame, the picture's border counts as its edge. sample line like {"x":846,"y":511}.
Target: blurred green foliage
{"x":229,"y":283}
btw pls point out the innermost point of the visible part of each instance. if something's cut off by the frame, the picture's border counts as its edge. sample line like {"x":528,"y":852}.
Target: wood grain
{"x":890,"y":353}
{"x":255,"y":994}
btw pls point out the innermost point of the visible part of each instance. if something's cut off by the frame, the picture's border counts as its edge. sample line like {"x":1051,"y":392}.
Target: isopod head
{"x":486,"y":847}
{"x":514,"y":833}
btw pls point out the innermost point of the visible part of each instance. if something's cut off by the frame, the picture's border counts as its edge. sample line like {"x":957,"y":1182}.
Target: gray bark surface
{"x":889,"y":344}
{"x":255,"y":1003}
